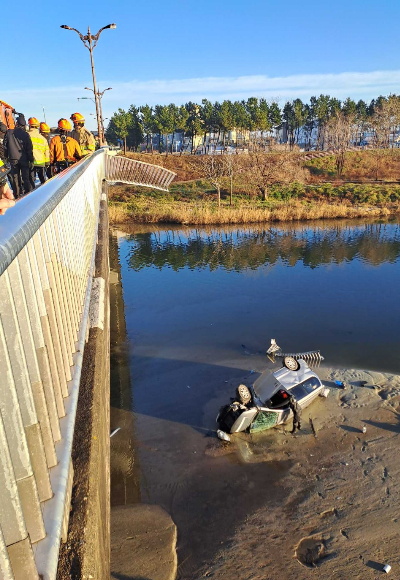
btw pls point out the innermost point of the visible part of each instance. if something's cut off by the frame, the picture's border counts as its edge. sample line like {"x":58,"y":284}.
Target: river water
{"x":193,"y":312}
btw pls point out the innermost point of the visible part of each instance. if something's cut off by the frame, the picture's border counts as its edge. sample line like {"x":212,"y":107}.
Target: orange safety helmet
{"x":77,"y":118}
{"x":33,"y":122}
{"x":64,"y":125}
{"x":44,"y":128}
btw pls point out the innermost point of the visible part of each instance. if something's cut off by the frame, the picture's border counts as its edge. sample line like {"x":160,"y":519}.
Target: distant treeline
{"x":305,"y":123}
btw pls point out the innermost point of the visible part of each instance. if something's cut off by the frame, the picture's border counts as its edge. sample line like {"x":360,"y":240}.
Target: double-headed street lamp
{"x":99,"y":97}
{"x":90,"y":41}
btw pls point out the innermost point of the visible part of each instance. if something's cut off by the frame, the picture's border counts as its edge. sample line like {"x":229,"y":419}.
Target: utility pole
{"x":99,"y":97}
{"x":95,"y":89}
{"x":90,"y":42}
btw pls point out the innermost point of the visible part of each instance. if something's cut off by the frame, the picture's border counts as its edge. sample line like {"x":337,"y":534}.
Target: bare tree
{"x":340,"y":134}
{"x":214,"y":169}
{"x":232,"y":164}
{"x":262,"y":169}
{"x":385,"y":121}
{"x":384,"y":124}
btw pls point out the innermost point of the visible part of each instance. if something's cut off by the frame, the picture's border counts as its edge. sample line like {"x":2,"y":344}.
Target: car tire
{"x":243,"y":394}
{"x":291,"y":363}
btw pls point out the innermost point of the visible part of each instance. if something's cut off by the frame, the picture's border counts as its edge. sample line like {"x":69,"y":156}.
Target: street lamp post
{"x":90,"y":41}
{"x":85,"y":99}
{"x":99,"y":97}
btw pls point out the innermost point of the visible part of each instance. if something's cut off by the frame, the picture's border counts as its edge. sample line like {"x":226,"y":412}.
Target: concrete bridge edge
{"x":86,"y":552}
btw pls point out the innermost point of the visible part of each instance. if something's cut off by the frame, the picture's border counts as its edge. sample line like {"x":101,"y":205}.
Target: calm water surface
{"x":197,"y":310}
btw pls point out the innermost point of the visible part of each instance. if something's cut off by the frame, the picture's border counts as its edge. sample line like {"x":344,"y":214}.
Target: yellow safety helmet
{"x":64,"y":125}
{"x":44,"y":128}
{"x":33,"y":122}
{"x":77,"y":118}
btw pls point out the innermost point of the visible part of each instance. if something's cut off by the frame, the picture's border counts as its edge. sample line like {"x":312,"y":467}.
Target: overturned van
{"x":266,"y":404}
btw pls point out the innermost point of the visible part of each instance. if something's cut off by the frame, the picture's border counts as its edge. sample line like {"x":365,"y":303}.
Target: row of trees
{"x":319,"y":123}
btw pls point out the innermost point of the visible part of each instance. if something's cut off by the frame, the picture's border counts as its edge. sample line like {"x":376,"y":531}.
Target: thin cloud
{"x":61,"y":101}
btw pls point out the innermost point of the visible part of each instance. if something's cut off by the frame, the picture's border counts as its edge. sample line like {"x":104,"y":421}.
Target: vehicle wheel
{"x":243,"y":394}
{"x":291,"y":363}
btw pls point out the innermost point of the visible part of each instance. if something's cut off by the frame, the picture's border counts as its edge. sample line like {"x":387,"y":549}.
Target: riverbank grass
{"x":195,"y":203}
{"x":207,"y":213}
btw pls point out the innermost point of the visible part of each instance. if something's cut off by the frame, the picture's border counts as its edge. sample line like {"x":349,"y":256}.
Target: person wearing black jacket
{"x":18,"y":150}
{"x":296,"y":410}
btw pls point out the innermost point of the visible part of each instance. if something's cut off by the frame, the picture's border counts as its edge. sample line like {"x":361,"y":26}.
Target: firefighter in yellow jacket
{"x":45,"y":132}
{"x":82,"y":135}
{"x":41,"y":152}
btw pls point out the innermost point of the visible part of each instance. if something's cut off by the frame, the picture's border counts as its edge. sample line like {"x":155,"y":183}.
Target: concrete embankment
{"x":86,"y":554}
{"x":143,"y":543}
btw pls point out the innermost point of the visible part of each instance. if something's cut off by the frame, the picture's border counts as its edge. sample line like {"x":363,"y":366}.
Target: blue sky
{"x":179,"y":51}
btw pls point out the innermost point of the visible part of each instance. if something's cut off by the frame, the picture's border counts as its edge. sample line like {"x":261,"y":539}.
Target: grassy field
{"x":155,"y":207}
{"x":193,"y":201}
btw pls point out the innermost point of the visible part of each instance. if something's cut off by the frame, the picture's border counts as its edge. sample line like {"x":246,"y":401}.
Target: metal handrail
{"x":47,"y":248}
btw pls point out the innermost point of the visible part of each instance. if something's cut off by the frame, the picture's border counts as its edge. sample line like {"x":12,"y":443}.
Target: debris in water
{"x":274,"y":347}
{"x":313,"y":357}
{"x":223,"y":436}
{"x":115,"y":431}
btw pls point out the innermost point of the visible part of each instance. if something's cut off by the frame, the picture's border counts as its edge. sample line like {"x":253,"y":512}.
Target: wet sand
{"x":242,"y":508}
{"x":342,"y":488}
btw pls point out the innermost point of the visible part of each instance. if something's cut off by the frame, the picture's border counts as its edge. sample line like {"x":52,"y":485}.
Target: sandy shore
{"x":342,"y":490}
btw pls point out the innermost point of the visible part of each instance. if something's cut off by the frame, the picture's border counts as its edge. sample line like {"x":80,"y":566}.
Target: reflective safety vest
{"x":41,"y":151}
{"x":64,"y":149}
{"x":85,"y":139}
{"x":3,"y":172}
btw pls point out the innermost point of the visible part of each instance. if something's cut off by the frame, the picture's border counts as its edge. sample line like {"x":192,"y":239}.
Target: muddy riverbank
{"x":342,"y":489}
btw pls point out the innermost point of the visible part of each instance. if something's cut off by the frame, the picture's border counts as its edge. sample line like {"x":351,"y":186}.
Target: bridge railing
{"x":47,"y":245}
{"x":125,"y":170}
{"x":47,"y":250}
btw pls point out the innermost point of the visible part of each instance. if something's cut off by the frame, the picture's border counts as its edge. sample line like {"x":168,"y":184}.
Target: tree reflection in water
{"x":248,"y":248}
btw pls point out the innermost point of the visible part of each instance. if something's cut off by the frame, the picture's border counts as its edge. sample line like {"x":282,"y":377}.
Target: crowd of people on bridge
{"x":32,"y":154}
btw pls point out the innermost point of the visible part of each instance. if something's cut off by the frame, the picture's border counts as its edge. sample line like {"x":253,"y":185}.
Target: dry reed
{"x":209,"y":213}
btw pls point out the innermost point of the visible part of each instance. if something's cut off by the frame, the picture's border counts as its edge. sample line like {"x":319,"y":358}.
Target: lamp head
{"x":65,"y":26}
{"x":112,"y":26}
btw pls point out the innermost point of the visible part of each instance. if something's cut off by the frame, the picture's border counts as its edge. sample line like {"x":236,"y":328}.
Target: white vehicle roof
{"x":266,"y":385}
